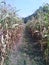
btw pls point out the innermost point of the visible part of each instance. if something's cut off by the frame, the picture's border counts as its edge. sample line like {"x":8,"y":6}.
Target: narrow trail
{"x":15,"y":53}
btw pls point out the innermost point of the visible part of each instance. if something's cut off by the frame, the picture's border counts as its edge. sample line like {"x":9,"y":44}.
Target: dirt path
{"x":15,"y":53}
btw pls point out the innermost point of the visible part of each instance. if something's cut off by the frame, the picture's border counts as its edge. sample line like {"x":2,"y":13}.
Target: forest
{"x":24,"y":41}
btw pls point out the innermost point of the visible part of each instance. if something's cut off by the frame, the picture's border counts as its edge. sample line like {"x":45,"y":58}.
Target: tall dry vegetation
{"x":10,"y":26}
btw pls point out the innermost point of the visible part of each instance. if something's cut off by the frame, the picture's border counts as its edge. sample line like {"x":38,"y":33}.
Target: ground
{"x":14,"y":54}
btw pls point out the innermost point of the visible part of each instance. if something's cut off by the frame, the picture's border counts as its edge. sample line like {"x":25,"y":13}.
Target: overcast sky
{"x":26,"y":7}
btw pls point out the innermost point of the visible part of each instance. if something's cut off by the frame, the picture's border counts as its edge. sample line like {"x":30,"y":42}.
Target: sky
{"x":26,"y":7}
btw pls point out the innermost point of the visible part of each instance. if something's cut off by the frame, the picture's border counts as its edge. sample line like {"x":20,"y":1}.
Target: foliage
{"x":40,"y":48}
{"x":9,"y":34}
